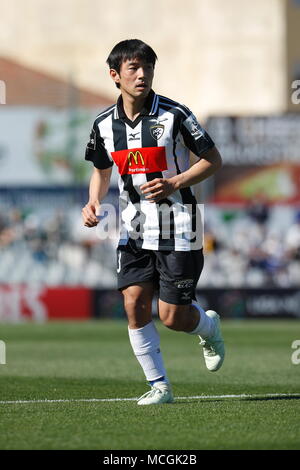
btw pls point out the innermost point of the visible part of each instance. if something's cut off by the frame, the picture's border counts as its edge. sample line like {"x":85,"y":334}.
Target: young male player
{"x":149,"y":138}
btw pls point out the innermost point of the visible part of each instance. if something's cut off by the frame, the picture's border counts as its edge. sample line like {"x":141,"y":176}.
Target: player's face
{"x":135,"y":77}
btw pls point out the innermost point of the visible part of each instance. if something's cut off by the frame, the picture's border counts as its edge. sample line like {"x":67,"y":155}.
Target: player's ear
{"x":114,"y":75}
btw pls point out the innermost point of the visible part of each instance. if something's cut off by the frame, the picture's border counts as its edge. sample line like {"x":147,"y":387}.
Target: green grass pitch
{"x":88,"y":360}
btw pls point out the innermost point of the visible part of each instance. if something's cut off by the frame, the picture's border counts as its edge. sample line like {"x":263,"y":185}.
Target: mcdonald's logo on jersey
{"x":140,"y":160}
{"x":135,"y":156}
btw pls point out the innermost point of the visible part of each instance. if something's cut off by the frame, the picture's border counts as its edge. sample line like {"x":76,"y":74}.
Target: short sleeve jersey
{"x":156,"y":145}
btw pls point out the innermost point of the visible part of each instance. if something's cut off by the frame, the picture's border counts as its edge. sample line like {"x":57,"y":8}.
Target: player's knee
{"x":133,"y":303}
{"x":171,"y":322}
{"x":175,"y":317}
{"x":138,"y":310}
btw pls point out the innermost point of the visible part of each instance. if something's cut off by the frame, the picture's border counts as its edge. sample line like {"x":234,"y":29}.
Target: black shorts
{"x":174,"y":273}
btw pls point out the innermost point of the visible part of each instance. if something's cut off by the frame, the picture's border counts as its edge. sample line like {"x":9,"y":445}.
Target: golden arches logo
{"x":135,"y":155}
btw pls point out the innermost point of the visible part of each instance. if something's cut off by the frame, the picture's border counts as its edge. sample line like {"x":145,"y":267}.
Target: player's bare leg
{"x":145,"y":342}
{"x":194,"y":320}
{"x":178,"y":317}
{"x":138,"y":304}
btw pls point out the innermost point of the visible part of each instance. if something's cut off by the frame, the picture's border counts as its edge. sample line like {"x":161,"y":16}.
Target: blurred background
{"x":236,"y":64}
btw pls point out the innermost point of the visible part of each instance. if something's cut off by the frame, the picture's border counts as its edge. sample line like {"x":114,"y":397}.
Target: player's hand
{"x":89,"y":214}
{"x":157,"y":189}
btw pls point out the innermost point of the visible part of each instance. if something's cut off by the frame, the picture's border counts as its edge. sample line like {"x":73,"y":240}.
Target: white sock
{"x":206,"y":325}
{"x":145,"y":343}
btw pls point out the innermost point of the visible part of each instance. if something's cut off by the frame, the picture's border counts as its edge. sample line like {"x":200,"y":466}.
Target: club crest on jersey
{"x":157,"y":131}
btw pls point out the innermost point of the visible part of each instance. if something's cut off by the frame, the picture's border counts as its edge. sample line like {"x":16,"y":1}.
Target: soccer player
{"x":149,"y":137}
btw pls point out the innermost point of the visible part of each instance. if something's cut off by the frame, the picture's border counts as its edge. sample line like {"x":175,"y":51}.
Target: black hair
{"x":130,"y":49}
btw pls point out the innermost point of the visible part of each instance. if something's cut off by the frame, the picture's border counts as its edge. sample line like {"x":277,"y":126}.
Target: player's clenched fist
{"x":158,"y":189}
{"x":89,"y":214}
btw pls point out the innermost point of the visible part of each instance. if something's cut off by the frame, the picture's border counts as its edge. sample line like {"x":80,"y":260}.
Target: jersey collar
{"x":150,"y":107}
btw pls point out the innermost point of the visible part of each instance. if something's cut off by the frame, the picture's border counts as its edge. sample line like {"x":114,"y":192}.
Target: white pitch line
{"x":196,"y":397}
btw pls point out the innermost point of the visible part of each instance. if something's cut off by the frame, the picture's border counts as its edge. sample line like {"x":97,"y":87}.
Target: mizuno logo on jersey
{"x":140,"y":160}
{"x":132,"y":136}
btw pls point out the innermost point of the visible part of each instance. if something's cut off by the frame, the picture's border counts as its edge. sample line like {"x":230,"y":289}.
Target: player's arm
{"x":99,"y":185}
{"x":160,"y":188}
{"x":209,"y":163}
{"x":100,"y":179}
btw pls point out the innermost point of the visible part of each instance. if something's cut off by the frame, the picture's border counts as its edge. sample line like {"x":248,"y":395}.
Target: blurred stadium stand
{"x":50,"y":246}
{"x":245,"y":247}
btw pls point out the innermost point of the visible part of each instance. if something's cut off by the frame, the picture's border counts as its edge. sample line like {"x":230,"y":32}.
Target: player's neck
{"x":132,"y":105}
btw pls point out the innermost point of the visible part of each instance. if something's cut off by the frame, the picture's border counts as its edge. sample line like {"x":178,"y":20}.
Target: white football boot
{"x":160,"y":393}
{"x":213,"y":347}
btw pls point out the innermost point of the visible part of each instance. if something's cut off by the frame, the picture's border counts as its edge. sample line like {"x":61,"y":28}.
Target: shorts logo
{"x":184,"y":284}
{"x":92,"y":142}
{"x":186,"y":296}
{"x":157,"y":131}
{"x":119,"y":262}
{"x":135,"y":156}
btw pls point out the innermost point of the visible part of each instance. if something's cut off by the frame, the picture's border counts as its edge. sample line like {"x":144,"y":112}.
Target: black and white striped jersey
{"x":155,"y":145}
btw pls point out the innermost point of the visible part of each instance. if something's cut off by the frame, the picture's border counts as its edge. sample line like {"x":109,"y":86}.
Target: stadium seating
{"x":241,"y":250}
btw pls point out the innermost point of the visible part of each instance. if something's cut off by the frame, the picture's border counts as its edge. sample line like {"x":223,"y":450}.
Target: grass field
{"x":93,"y":360}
